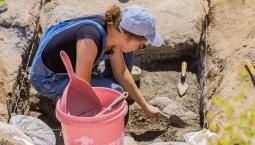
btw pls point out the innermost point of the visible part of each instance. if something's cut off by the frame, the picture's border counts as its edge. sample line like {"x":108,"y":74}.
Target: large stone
{"x":231,"y":32}
{"x":161,"y":102}
{"x":229,"y":89}
{"x":17,"y":28}
{"x":177,"y":109}
{"x":54,"y":12}
{"x":21,"y":14}
{"x":185,"y":114}
{"x":178,"y":21}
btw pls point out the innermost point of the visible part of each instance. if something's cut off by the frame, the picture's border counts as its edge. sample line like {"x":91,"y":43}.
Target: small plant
{"x":240,"y":129}
{"x":238,"y":113}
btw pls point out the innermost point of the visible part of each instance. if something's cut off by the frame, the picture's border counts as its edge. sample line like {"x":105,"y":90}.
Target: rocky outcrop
{"x":230,"y":40}
{"x":179,"y":22}
{"x":17,"y":28}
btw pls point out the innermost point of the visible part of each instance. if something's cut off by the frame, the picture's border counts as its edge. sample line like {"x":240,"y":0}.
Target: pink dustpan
{"x":78,"y":98}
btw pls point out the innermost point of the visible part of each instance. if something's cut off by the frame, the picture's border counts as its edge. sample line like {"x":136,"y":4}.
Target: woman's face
{"x":129,"y":45}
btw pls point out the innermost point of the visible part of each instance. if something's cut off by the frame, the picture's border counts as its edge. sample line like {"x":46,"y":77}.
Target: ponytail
{"x":113,"y":15}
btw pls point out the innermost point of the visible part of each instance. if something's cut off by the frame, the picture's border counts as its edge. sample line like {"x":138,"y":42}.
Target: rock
{"x":179,"y":110}
{"x":17,"y":29}
{"x":231,"y":42}
{"x":179,"y":114}
{"x":128,"y":140}
{"x":173,"y":109}
{"x":53,"y":12}
{"x":179,"y":21}
{"x":22,"y":15}
{"x":161,"y":102}
{"x":136,"y":73}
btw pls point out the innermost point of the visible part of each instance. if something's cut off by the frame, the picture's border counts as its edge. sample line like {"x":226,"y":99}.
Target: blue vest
{"x":53,"y":30}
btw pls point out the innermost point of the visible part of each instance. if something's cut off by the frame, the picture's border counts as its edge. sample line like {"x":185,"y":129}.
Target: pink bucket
{"x":107,"y":129}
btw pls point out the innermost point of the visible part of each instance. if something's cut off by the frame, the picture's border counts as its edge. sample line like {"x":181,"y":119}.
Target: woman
{"x":89,"y":41}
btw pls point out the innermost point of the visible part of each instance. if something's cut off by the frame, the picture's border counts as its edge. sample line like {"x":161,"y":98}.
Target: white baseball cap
{"x":137,"y":20}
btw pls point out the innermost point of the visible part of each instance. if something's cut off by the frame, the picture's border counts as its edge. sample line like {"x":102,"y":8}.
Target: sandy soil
{"x":159,"y":79}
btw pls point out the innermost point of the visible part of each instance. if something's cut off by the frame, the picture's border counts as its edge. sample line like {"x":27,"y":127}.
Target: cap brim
{"x":155,"y":40}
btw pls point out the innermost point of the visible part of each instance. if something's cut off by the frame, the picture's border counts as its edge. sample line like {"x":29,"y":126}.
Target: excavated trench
{"x":158,"y":84}
{"x":158,"y":80}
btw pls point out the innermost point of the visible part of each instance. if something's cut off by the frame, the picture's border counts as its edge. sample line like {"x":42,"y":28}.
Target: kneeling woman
{"x":89,"y":42}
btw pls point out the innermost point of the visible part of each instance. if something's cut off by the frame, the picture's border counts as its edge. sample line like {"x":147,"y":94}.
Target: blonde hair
{"x":113,"y":17}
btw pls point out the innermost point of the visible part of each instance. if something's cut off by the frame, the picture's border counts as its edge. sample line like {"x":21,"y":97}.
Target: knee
{"x":99,"y":81}
{"x":117,"y":87}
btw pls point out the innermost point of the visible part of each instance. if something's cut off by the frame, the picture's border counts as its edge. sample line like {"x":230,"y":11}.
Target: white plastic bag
{"x":15,"y":133}
{"x":200,"y":137}
{"x":39,"y":132}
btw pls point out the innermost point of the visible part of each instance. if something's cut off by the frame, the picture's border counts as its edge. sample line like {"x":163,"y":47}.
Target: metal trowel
{"x":182,"y":87}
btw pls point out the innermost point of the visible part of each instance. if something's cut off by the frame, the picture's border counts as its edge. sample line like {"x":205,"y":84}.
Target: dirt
{"x":141,"y":123}
{"x":143,"y":128}
{"x":159,"y":78}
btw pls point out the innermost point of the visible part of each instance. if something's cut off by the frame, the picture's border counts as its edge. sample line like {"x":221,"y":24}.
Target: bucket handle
{"x":68,"y":64}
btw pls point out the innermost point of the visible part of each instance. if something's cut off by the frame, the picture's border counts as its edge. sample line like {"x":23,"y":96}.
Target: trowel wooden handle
{"x":184,"y":68}
{"x":115,"y":102}
{"x":118,"y":100}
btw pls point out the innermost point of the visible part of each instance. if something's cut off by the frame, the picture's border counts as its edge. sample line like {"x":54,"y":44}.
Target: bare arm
{"x":124,"y":77}
{"x":86,"y":55}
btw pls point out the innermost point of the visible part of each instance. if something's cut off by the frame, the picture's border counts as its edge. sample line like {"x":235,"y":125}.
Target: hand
{"x":152,"y":111}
